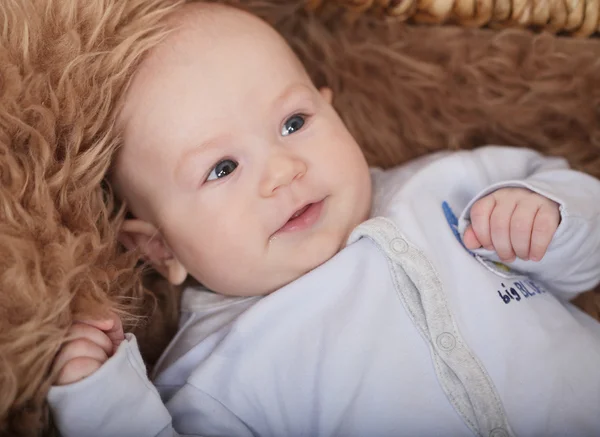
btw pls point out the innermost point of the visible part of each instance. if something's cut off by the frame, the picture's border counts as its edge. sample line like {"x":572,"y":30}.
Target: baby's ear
{"x":327,"y":94}
{"x":140,"y":235}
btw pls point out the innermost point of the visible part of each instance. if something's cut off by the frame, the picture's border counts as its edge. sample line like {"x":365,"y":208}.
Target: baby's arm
{"x":103,"y":390}
{"x":547,"y":223}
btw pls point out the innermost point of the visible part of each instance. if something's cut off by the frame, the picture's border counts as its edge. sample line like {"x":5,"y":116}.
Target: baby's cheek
{"x":237,"y":270}
{"x":324,"y":247}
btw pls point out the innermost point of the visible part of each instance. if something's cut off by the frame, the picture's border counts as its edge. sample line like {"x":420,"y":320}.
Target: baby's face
{"x":242,"y":165}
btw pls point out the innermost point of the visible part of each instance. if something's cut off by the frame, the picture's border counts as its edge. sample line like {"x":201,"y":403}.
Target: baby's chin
{"x":316,"y":258}
{"x":282,"y":267}
{"x":277,"y":281}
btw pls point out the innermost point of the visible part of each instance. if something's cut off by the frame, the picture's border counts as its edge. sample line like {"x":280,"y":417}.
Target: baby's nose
{"x":280,"y":171}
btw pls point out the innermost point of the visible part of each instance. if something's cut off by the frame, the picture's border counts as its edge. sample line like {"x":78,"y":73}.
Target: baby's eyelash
{"x":300,"y":120}
{"x":222,"y":169}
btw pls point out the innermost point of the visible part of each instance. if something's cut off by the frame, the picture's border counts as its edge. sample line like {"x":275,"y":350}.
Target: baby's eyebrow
{"x":291,"y":91}
{"x":185,"y":172}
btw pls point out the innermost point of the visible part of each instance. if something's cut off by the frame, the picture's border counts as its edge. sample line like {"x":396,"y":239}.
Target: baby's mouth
{"x":299,"y":212}
{"x":303,"y":218}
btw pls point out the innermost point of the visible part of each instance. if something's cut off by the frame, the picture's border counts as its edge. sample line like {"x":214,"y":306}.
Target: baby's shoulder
{"x":419,"y":177}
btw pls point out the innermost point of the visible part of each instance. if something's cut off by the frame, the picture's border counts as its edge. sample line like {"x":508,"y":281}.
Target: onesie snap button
{"x":498,"y":432}
{"x":399,"y":245}
{"x":447,"y":342}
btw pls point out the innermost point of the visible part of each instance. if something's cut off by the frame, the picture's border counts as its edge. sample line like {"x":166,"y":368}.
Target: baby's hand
{"x":92,"y":343}
{"x":513,"y":222}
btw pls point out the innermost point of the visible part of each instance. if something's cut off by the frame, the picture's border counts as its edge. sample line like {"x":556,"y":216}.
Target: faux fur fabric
{"x":64,"y":65}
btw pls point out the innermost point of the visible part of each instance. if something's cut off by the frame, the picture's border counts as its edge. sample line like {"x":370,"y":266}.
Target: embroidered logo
{"x":452,"y":221}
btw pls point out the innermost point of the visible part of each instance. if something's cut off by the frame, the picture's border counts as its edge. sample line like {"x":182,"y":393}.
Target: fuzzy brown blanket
{"x":403,"y":90}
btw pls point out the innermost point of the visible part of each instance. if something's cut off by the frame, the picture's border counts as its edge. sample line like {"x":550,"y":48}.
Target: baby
{"x":343,"y":300}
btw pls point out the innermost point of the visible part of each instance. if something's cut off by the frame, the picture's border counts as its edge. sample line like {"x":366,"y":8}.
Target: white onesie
{"x":402,"y":333}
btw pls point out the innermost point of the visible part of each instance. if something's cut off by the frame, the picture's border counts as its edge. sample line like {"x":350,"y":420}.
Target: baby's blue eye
{"x":222,"y":169}
{"x":293,"y":124}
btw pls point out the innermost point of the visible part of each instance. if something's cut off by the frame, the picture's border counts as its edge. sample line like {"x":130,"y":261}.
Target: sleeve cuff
{"x":118,"y":399}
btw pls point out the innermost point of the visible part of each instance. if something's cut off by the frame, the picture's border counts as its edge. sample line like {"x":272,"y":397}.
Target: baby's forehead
{"x":217,"y":39}
{"x":199,"y":30}
{"x":211,"y":21}
{"x":216,"y":60}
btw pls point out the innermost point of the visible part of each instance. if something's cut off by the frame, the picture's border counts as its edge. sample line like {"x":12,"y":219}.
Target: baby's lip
{"x":295,"y":211}
{"x":298,"y":212}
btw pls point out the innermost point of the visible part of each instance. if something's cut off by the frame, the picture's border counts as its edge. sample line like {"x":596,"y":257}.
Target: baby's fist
{"x":90,"y":344}
{"x":515,"y":222}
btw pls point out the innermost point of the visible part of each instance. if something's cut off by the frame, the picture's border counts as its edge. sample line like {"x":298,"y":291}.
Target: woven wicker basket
{"x":579,"y":18}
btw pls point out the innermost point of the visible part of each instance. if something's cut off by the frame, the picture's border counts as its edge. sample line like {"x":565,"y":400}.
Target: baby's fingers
{"x":111,"y":328}
{"x":544,"y":226}
{"x":521,"y":225}
{"x":481,"y":212}
{"x":500,"y":229}
{"x":77,"y":369}
{"x":470,"y":239}
{"x":76,"y":349}
{"x":85,"y":330}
